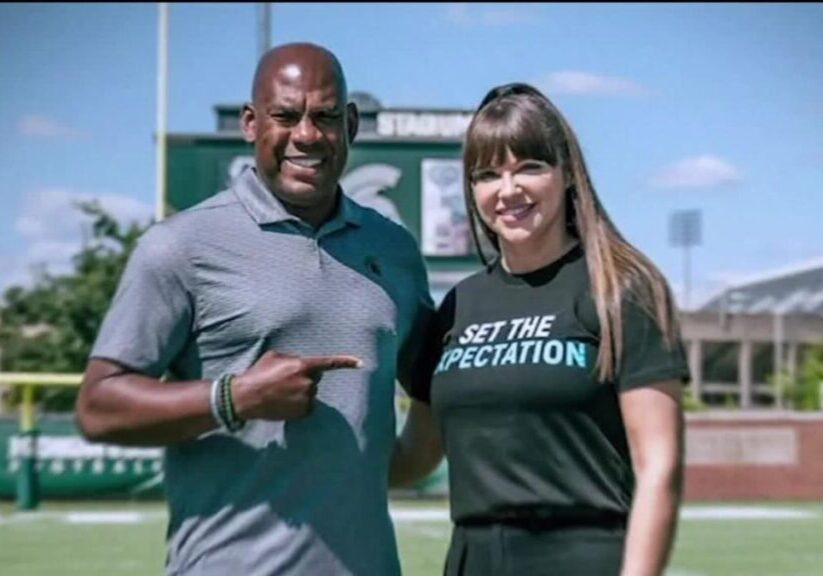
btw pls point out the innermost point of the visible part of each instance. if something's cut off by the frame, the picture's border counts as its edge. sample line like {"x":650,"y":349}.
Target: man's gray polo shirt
{"x":208,"y":291}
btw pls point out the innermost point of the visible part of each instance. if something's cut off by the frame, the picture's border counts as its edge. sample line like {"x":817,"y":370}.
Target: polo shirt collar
{"x":265,"y":208}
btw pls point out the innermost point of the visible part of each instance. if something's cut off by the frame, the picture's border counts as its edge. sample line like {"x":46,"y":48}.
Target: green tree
{"x":804,"y":392}
{"x":51,"y":325}
{"x":690,"y":402}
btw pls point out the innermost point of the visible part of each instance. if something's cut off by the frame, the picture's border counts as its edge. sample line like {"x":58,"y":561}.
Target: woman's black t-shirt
{"x":528,"y":429}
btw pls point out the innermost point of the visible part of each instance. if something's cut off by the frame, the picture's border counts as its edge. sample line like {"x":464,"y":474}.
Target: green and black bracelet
{"x":223,"y":404}
{"x":234,"y":421}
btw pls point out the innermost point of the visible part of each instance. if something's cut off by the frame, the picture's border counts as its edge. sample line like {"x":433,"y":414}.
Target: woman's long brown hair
{"x":520,"y":119}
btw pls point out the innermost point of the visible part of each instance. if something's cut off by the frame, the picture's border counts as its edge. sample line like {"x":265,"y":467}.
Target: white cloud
{"x":39,"y":126}
{"x":580,"y":82}
{"x":52,"y":229}
{"x":52,"y":252}
{"x":29,"y":227}
{"x":704,"y":171}
{"x":465,"y":14}
{"x":50,"y":213}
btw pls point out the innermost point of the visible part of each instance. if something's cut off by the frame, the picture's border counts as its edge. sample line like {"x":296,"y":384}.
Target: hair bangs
{"x":510,"y":125}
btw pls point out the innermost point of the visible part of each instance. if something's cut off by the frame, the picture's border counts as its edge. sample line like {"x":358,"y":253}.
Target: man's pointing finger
{"x":325,"y":363}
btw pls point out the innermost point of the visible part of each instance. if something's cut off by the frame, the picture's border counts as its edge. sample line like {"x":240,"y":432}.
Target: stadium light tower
{"x":685,"y":232}
{"x":264,"y":27}
{"x":162,"y":101}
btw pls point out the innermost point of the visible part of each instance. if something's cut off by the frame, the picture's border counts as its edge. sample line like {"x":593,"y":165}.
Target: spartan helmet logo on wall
{"x":365,"y":184}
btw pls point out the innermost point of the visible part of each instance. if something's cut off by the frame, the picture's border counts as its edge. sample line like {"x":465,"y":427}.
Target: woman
{"x":558,"y":379}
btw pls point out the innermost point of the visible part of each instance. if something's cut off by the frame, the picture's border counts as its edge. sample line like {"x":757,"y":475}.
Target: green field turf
{"x":112,"y":539}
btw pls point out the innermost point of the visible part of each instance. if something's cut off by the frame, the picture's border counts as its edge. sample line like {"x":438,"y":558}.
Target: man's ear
{"x":248,"y":122}
{"x":353,"y":120}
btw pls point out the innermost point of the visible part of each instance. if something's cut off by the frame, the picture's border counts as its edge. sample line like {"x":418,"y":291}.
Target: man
{"x":226,"y":318}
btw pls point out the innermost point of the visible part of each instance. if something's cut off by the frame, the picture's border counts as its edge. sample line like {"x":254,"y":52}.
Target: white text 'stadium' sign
{"x":422,"y":124}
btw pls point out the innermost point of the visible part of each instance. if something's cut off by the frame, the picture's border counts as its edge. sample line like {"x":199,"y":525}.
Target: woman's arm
{"x":654,"y":423}
{"x":418,"y":450}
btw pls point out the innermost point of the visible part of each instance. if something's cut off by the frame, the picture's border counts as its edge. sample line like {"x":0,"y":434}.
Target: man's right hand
{"x":281,"y":386}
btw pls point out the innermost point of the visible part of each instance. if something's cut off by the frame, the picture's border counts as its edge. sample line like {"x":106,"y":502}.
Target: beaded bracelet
{"x":234,"y":421}
{"x":222,"y":404}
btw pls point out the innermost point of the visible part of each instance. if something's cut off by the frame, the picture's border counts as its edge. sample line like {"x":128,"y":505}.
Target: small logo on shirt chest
{"x":373,"y":266}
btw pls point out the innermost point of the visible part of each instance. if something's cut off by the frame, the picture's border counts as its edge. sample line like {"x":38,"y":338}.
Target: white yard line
{"x":744,"y":513}
{"x":419,"y":514}
{"x":686,"y":513}
{"x":403,"y":515}
{"x":85,"y":516}
{"x":104,"y":517}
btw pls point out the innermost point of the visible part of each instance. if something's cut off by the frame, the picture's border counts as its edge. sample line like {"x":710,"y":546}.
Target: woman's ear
{"x":568,"y":176}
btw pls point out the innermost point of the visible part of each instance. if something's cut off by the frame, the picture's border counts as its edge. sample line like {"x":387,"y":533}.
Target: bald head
{"x":301,"y":124}
{"x":291,"y":62}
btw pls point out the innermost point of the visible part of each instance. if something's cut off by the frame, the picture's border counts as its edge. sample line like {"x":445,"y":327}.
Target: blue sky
{"x":677,"y":106}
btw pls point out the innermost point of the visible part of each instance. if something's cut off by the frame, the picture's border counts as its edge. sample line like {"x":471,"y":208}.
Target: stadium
{"x":743,"y":444}
{"x":754,"y":405}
